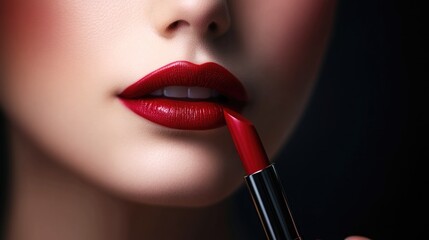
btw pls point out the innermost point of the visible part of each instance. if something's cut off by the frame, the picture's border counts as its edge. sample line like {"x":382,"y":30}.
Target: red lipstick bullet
{"x":262,"y":179}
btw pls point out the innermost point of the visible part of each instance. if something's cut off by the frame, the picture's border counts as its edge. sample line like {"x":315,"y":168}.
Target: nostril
{"x":176,"y":24}
{"x":173,"y":26}
{"x":213,"y":27}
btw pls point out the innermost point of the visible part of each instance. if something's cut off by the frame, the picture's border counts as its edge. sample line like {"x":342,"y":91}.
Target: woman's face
{"x":66,"y":61}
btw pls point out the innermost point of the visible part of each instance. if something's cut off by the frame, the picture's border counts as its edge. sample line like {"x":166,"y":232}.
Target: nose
{"x":201,"y":18}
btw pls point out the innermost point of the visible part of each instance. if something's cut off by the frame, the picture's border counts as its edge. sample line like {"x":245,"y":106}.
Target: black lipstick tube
{"x":270,"y":201}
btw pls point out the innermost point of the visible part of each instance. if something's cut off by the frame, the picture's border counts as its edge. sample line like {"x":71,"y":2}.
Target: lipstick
{"x":262,"y":180}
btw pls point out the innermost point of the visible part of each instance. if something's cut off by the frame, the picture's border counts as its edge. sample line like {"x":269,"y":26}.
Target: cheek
{"x":284,"y":41}
{"x":28,"y":28}
{"x":49,"y":79}
{"x":32,"y":31}
{"x":30,"y":25}
{"x":47,"y":49}
{"x":285,"y":32}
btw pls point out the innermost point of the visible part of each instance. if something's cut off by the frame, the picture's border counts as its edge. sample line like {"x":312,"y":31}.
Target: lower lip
{"x":179,"y":114}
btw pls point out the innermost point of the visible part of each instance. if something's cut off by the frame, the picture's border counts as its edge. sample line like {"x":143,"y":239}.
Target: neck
{"x":50,"y":202}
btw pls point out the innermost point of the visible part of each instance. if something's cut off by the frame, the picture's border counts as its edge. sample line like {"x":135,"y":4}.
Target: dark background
{"x":350,"y":166}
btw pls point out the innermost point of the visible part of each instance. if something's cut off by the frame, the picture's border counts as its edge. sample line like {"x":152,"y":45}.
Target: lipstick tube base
{"x":270,"y":201}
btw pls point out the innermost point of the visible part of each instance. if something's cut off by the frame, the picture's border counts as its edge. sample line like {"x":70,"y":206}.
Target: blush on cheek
{"x":29,"y":24}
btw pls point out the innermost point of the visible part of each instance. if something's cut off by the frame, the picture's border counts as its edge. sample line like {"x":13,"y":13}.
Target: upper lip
{"x":183,"y":73}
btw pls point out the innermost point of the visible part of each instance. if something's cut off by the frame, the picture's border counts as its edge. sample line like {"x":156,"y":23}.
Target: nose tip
{"x":202,"y":18}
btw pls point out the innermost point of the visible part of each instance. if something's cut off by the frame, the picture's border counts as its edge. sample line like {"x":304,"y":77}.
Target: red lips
{"x":196,"y":113}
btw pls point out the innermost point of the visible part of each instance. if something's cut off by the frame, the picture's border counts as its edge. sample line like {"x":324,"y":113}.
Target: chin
{"x":176,"y":190}
{"x":181,"y":175}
